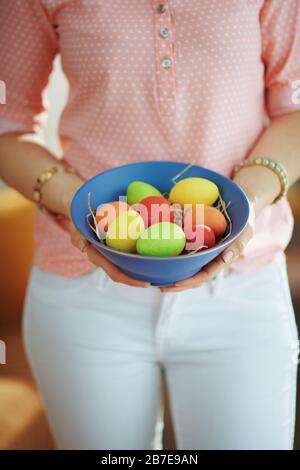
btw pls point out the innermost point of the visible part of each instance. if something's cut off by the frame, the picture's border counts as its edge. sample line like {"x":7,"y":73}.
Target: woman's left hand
{"x":230,"y":254}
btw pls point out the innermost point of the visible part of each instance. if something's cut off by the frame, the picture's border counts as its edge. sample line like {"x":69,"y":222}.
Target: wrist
{"x":59,"y":191}
{"x":260,"y":184}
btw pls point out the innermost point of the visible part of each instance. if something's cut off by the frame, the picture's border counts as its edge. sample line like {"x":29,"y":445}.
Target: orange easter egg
{"x":108,"y":212}
{"x":207,"y":215}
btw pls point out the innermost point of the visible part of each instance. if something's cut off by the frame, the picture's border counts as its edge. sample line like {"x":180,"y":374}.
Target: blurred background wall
{"x":22,"y":420}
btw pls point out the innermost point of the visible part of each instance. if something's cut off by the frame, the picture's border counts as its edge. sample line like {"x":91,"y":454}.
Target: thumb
{"x":77,"y":238}
{"x":237,"y":247}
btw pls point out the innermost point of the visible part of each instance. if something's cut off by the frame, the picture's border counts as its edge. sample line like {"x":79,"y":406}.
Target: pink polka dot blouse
{"x":153,"y":80}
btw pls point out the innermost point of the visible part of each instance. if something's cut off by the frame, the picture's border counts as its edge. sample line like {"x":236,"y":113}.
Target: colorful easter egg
{"x":124,"y":231}
{"x":155,"y":209}
{"x":161,"y":239}
{"x":108,"y":212}
{"x":199,"y":237}
{"x":208,"y":215}
{"x":194,"y":191}
{"x":138,"y":190}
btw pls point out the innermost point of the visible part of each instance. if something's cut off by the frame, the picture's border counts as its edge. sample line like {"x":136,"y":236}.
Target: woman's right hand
{"x":71,"y":184}
{"x":99,"y":260}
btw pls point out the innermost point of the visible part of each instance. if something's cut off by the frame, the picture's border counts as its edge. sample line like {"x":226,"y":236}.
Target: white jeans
{"x":229,"y":351}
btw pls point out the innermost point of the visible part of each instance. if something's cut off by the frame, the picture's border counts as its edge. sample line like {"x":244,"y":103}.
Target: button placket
{"x":165,"y":63}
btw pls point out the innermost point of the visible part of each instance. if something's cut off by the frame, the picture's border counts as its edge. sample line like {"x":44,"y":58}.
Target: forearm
{"x":280,"y":142}
{"x":21,"y":162}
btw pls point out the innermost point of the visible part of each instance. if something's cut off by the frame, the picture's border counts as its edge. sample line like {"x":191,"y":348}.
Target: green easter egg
{"x":194,"y":191}
{"x":138,"y":190}
{"x":161,"y":239}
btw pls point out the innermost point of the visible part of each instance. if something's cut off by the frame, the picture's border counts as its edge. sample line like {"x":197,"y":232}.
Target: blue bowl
{"x":159,"y":271}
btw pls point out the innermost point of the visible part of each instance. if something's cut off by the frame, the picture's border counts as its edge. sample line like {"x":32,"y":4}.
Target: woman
{"x":166,"y":80}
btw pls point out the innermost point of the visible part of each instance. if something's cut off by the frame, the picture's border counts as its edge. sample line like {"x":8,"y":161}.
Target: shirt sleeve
{"x":28,"y":47}
{"x":280,"y":32}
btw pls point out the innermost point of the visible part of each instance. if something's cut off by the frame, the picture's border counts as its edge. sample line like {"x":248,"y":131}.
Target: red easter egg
{"x":155,"y":209}
{"x":108,"y":212}
{"x":199,"y":237}
{"x":207,"y":215}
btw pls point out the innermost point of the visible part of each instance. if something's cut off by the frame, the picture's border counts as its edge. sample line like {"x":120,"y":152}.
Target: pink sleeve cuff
{"x":282,"y":100}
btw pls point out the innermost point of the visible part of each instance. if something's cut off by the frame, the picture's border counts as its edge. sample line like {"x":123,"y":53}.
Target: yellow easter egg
{"x":194,"y":191}
{"x":124,"y":231}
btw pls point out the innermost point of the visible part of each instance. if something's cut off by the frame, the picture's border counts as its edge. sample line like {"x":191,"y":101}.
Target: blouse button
{"x":161,"y":8}
{"x":166,"y":63}
{"x":164,"y":32}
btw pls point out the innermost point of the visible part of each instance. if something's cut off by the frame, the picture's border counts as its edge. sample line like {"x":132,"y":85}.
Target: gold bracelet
{"x":274,"y":166}
{"x":44,"y":177}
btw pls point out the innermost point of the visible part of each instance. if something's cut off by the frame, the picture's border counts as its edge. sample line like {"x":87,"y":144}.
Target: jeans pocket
{"x":254,"y":286}
{"x":288,"y":311}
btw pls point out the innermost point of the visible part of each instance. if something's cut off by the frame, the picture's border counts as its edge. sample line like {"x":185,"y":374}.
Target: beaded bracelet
{"x":274,"y":166}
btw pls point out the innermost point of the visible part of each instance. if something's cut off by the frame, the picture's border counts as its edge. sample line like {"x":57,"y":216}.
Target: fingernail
{"x":143,"y":285}
{"x":184,"y":282}
{"x":82,"y":245}
{"x":227,"y":256}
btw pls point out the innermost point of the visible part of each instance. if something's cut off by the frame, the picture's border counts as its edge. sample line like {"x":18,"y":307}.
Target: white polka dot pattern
{"x":190,"y":81}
